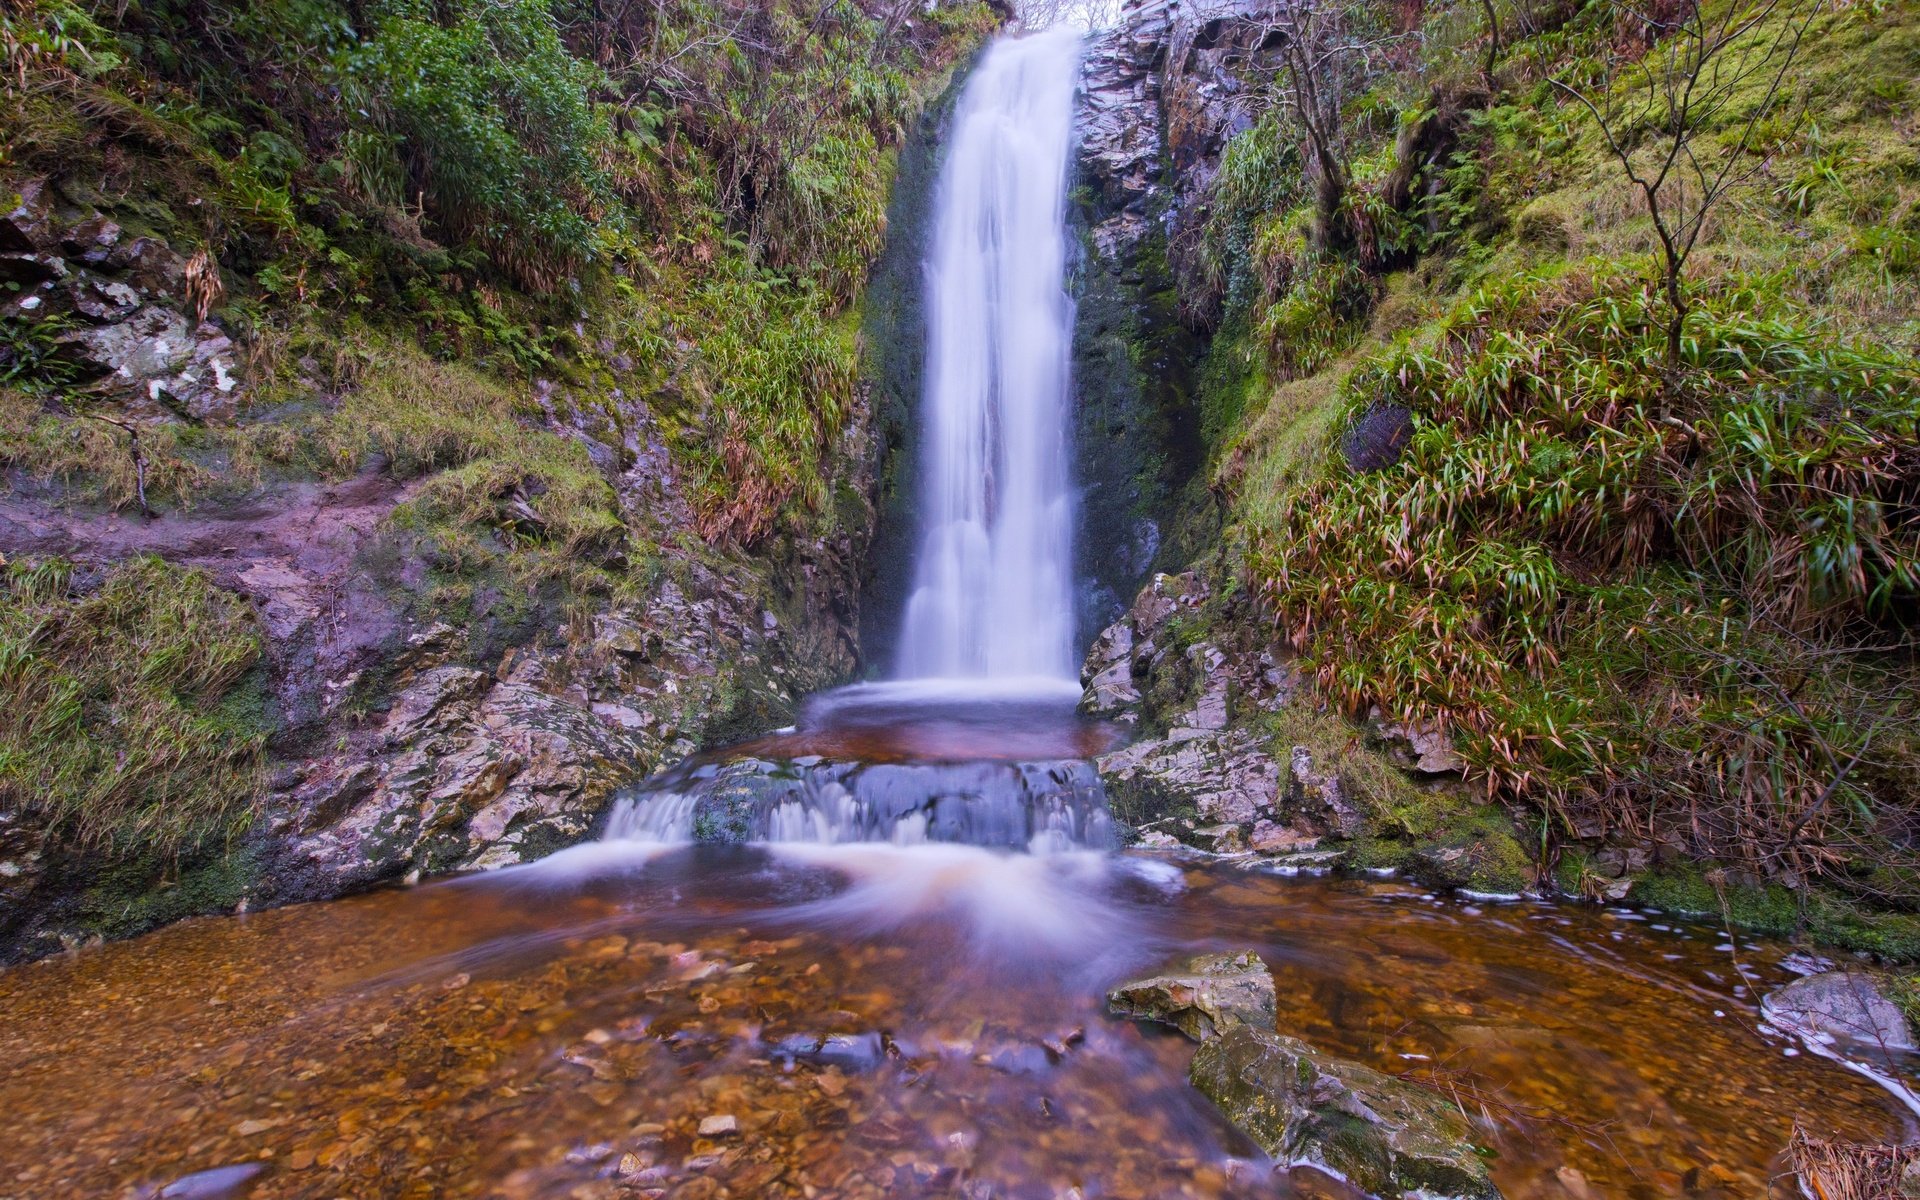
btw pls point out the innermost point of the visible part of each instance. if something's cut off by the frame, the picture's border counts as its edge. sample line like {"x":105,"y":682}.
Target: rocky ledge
{"x":418,"y":721}
{"x":1383,"y":1135}
{"x":1221,"y":763}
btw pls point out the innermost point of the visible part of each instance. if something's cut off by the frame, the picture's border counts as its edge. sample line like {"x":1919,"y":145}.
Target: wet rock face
{"x":1847,"y":1007}
{"x":475,"y":769}
{"x":127,"y":314}
{"x":1203,"y":996}
{"x":1163,"y":93}
{"x":1120,"y":138}
{"x":1385,"y":1136}
{"x":1207,"y":779}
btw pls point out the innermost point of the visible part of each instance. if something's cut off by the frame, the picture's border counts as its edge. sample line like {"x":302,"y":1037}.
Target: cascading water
{"x":976,"y":740}
{"x":992,"y":595}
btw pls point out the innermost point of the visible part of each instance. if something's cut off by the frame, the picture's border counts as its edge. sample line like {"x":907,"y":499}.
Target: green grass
{"x":1648,"y":598}
{"x":135,"y":721}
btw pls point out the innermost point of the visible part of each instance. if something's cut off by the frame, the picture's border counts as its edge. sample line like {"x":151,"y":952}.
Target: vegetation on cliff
{"x":563,"y":289}
{"x":129,"y":720}
{"x":1660,"y":590}
{"x":671,"y":202}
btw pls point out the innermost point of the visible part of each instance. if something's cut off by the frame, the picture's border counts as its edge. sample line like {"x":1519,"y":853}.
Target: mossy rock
{"x":1202,"y":996}
{"x":1815,"y":912}
{"x":1384,"y":1135}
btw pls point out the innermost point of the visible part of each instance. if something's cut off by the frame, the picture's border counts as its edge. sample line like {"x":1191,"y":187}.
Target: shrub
{"x":1631,"y":591}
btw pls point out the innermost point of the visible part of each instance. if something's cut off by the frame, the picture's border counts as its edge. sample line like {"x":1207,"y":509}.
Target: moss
{"x":1815,"y":913}
{"x":1366,"y":775}
{"x":137,"y":717}
{"x":131,"y":898}
{"x":1546,"y":225}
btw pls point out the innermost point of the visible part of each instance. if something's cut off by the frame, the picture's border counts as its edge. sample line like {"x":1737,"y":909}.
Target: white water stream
{"x":992,"y":594}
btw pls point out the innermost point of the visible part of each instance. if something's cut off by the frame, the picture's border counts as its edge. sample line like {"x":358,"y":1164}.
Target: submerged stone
{"x":1384,"y":1135}
{"x":1381,"y":1134}
{"x":1203,"y":996}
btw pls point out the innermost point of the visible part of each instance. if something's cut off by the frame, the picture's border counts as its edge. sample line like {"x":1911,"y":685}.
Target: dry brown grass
{"x":1834,"y":1170}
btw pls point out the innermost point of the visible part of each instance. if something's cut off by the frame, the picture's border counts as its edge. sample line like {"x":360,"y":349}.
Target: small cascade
{"x":1036,"y":806}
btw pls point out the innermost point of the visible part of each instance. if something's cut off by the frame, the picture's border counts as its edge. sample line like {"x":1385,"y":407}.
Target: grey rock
{"x":1846,"y":1006}
{"x":28,"y":227}
{"x":1318,"y":796}
{"x":1203,"y":996}
{"x":1420,"y":746}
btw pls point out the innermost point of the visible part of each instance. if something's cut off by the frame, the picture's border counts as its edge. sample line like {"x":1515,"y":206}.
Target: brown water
{"x":920,"y":723}
{"x":564,"y":1030}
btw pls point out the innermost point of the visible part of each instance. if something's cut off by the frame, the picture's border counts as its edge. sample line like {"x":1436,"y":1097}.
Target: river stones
{"x":1843,"y":1006}
{"x":1203,"y":996}
{"x":1381,"y":1134}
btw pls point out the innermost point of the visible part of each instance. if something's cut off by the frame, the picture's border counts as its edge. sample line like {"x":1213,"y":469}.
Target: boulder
{"x":1383,"y":1135}
{"x":1847,"y":1007}
{"x":1203,"y":996}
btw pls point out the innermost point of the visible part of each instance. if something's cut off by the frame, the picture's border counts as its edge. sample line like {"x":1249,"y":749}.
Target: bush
{"x":1644,"y":599}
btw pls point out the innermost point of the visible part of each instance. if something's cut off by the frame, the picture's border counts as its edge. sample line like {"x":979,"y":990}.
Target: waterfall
{"x":992,"y":591}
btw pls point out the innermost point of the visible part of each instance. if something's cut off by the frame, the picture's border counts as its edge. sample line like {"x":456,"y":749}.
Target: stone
{"x":1377,"y":436}
{"x":1319,"y":796}
{"x":1203,"y":996}
{"x":1383,"y":1135}
{"x":1847,"y":1007}
{"x":1424,"y":747}
{"x":1269,"y":838}
{"x":1220,"y":839}
{"x":28,"y":226}
{"x":719,"y":1125}
{"x":424,"y":701}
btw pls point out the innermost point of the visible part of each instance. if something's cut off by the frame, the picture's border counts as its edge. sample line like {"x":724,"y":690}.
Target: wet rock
{"x":1203,"y":996}
{"x":1842,"y":1006}
{"x":1219,"y":778}
{"x":219,"y":1183}
{"x":1219,"y":839}
{"x":1377,"y":436}
{"x":848,"y":1051}
{"x":1107,"y":675}
{"x":1118,"y":132}
{"x":1268,"y":838}
{"x":1385,"y":1136}
{"x":28,"y":227}
{"x":425,"y":701}
{"x":1006,"y":804}
{"x":1422,"y":747}
{"x":1479,"y":855}
{"x":1319,"y":796}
